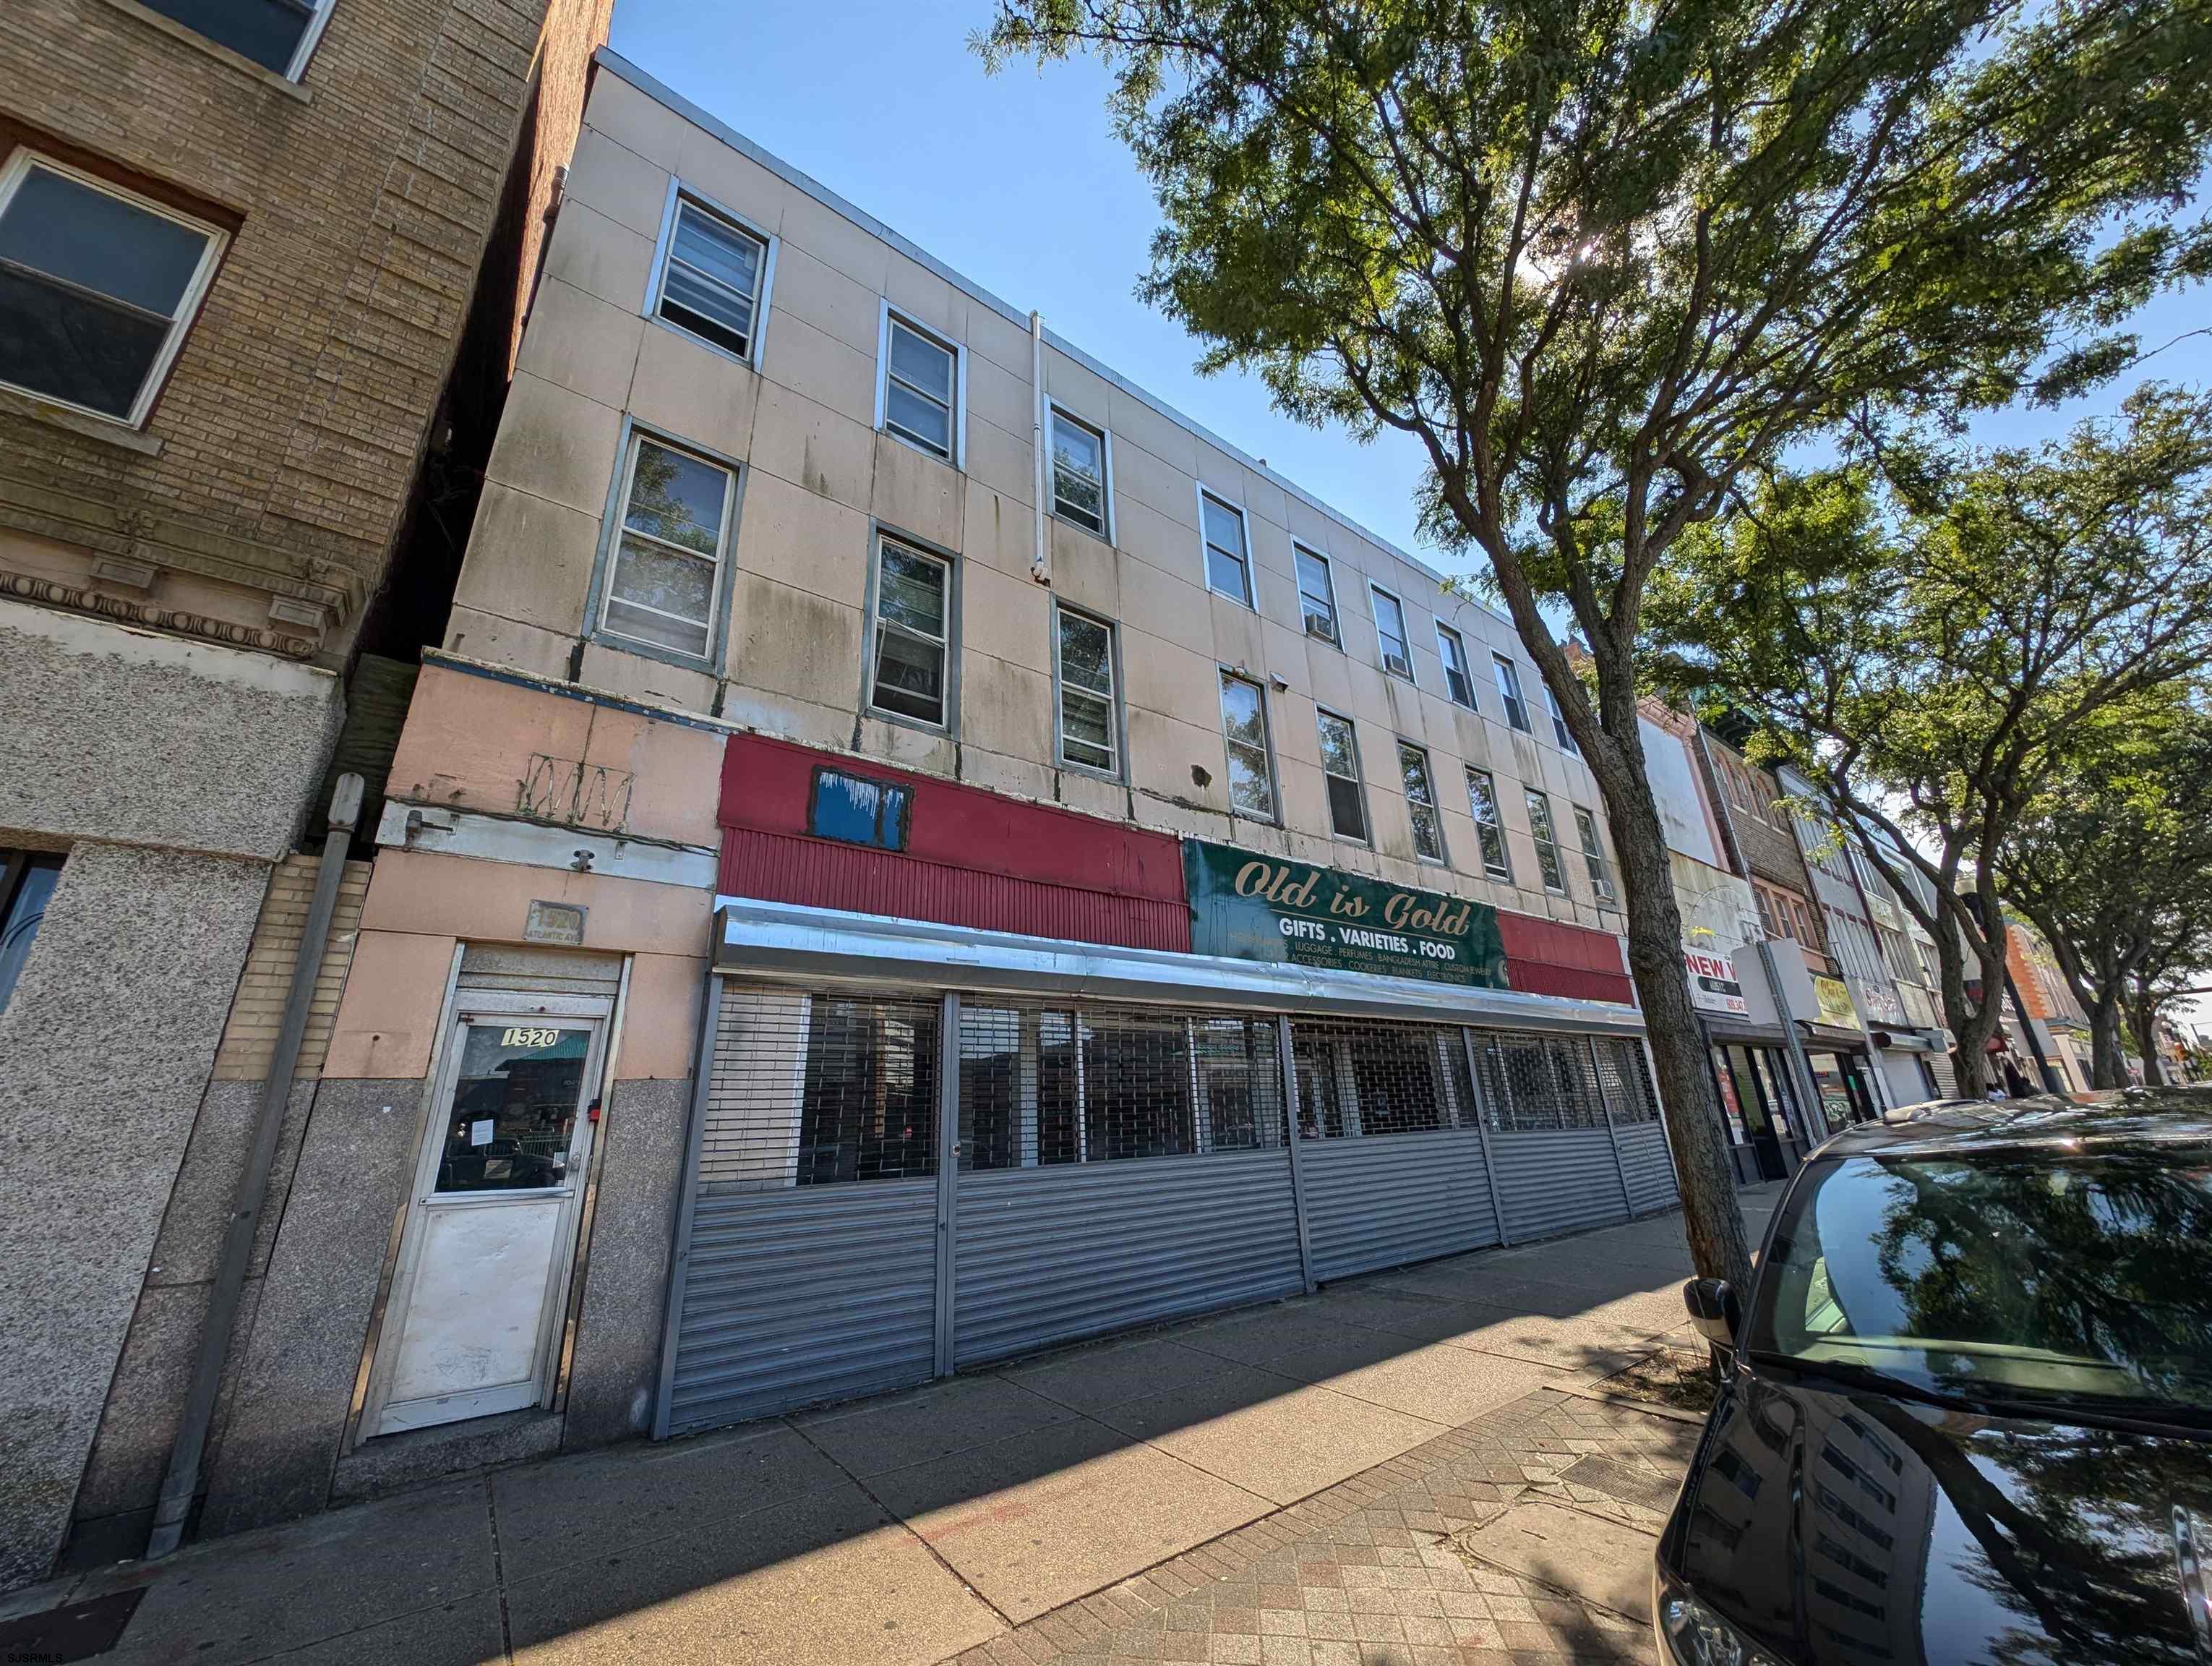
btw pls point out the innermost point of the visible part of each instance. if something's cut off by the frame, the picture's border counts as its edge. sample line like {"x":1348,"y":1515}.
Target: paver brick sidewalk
{"x":1387,"y":1568}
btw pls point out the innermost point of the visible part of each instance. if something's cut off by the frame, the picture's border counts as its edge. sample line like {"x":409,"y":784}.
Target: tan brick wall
{"x":289,"y":428}
{"x":258,"y":1010}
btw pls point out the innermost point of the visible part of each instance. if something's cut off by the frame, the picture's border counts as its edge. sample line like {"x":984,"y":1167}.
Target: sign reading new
{"x":1713,"y":985}
{"x":1268,"y":907}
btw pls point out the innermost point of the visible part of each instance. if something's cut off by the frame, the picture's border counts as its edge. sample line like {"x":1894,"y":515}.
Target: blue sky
{"x":1015,"y":181}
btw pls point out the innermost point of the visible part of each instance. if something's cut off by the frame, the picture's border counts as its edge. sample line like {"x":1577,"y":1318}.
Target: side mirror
{"x":1714,"y":1309}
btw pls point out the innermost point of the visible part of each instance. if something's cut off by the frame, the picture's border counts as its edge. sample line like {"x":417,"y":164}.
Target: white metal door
{"x":491,"y":1229}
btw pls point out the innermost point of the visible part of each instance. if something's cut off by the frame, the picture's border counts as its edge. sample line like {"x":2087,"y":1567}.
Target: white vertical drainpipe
{"x":1040,"y":561}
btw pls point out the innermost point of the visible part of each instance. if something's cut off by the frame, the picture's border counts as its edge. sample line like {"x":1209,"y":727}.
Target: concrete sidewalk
{"x":973,"y":1513}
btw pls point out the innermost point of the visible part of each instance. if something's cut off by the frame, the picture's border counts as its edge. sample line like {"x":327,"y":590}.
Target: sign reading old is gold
{"x":1254,"y":906}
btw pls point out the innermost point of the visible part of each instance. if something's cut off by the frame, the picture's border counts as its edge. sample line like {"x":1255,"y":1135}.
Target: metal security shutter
{"x":1117,"y":1167}
{"x":809,"y":1272}
{"x":1554,"y":1153}
{"x":1646,"y":1165}
{"x":1651,"y":1175}
{"x":1392,"y":1157}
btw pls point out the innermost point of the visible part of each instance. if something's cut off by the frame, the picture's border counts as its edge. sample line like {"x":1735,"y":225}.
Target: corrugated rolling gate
{"x":1117,"y":1165}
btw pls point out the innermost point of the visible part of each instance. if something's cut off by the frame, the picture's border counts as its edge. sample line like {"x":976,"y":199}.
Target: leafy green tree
{"x":2112,"y":862}
{"x":1597,"y":257}
{"x":1935,"y":656}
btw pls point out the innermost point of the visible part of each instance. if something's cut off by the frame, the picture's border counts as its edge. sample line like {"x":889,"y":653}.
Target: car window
{"x":2053,"y":1273}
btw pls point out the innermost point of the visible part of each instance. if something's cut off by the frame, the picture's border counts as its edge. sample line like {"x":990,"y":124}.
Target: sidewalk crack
{"x":890,"y":1514}
{"x":498,"y":1570}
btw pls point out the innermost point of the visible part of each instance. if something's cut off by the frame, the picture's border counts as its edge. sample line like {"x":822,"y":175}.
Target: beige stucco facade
{"x":821,"y":478}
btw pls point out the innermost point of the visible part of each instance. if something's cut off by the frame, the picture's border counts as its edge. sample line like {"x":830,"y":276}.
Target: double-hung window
{"x":914,"y":592}
{"x":1547,"y":842}
{"x":1087,"y":728}
{"x":1228,"y":565}
{"x":1421,"y":803}
{"x":1459,"y":683}
{"x":1316,"y":597}
{"x":1339,"y":769}
{"x":665,"y":582}
{"x":1593,"y":857}
{"x":1390,"y":632}
{"x":710,"y":278}
{"x":1508,"y":690}
{"x":278,"y":34}
{"x":1560,"y":729}
{"x":1482,"y":804}
{"x":97,"y":288}
{"x":1251,"y":768}
{"x":1079,"y":485}
{"x":28,"y":880}
{"x":921,"y":388}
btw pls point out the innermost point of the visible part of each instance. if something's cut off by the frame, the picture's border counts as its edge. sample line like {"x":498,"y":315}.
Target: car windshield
{"x":2058,"y":1275}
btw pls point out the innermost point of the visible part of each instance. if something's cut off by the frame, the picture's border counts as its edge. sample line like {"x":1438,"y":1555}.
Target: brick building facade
{"x":235,"y":277}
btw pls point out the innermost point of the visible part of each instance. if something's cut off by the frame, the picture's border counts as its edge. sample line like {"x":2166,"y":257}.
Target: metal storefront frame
{"x":1110,"y":1138}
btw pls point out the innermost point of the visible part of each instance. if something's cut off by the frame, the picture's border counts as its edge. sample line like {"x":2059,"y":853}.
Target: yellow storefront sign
{"x":1835,"y":1002}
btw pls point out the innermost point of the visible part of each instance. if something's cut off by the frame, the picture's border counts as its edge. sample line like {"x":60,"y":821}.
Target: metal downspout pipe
{"x":1041,"y":557}
{"x":182,"y":1481}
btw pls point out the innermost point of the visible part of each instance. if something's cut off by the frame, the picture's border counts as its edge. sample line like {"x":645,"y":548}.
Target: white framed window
{"x":1421,"y":802}
{"x":712,"y":278}
{"x":1508,"y":690}
{"x":919,"y":393}
{"x":1251,"y":759}
{"x":1228,"y":559}
{"x":665,"y":572}
{"x":1339,"y":769}
{"x":1482,"y":804}
{"x":1082,"y":474}
{"x":1316,"y":595}
{"x":1593,"y":857}
{"x":97,"y":288}
{"x":1459,"y":681}
{"x":280,"y":35}
{"x":1547,"y":842}
{"x":1089,"y":724}
{"x":1390,"y":632}
{"x":910,"y":658}
{"x":1560,"y":731}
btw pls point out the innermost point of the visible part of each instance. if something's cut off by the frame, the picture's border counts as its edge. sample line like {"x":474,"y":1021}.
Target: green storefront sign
{"x":1268,"y":907}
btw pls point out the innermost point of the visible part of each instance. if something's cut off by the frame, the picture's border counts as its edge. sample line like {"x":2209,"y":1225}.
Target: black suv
{"x":1965,"y":1412}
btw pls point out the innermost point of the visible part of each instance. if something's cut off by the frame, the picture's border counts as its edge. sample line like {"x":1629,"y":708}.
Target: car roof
{"x":2141,"y":1116}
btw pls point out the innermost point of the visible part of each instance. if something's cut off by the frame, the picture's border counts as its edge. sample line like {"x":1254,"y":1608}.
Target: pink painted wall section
{"x":1544,"y":958}
{"x":457,"y":897}
{"x":478,"y":743}
{"x":387,"y":1019}
{"x":661,"y":1025}
{"x":973,"y":857}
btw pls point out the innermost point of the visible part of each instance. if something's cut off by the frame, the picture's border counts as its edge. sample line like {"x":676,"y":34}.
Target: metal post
{"x":1297,"y":1164}
{"x":1482,"y":1134}
{"x":1809,"y":1091}
{"x":679,"y":1261}
{"x":182,"y":1479}
{"x":1612,"y":1128}
{"x":948,"y":1170}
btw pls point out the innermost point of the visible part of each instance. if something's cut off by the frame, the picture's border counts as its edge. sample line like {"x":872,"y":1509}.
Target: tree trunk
{"x":1710,"y":1219}
{"x":2105,"y":1068}
{"x":2144,"y":1022}
{"x":1970,"y":1025}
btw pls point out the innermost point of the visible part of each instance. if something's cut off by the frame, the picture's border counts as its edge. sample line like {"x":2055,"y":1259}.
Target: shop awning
{"x":1828,"y":1038}
{"x":1911,"y":1041}
{"x":1745,"y":1035}
{"x":789,"y":939}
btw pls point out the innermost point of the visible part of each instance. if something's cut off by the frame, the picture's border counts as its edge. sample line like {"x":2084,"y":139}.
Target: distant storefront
{"x":1762,"y":1114}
